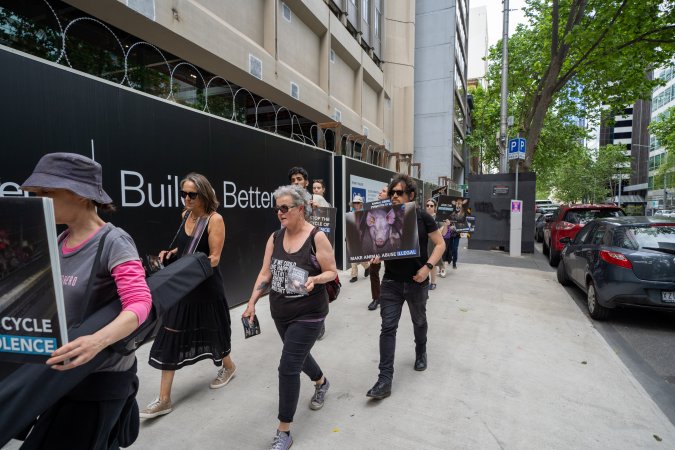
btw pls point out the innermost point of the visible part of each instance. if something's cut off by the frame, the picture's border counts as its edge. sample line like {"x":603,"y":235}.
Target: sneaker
{"x":282,"y":441}
{"x":442,"y":273}
{"x":223,"y":377}
{"x":319,"y":395}
{"x":432,"y":286}
{"x":366,"y":273}
{"x":353,"y":280}
{"x":322,"y":331}
{"x":156,"y":408}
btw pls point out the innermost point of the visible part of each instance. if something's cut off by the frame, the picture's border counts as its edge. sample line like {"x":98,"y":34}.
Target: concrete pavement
{"x":513,"y":363}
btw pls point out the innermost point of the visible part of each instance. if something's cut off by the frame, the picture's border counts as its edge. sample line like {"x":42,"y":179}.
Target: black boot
{"x":373,"y":305}
{"x":421,"y":362}
{"x":382,"y":389}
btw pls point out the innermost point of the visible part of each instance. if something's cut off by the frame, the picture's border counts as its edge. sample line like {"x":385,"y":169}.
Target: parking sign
{"x":517,"y":148}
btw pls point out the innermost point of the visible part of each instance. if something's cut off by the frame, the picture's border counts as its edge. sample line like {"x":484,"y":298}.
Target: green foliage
{"x":574,"y":56}
{"x":582,"y":176}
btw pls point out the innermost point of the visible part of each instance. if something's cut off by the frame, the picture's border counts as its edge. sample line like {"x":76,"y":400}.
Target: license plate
{"x":668,"y":296}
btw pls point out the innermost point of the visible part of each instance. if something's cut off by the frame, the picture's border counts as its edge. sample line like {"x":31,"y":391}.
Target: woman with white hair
{"x":296,"y":253}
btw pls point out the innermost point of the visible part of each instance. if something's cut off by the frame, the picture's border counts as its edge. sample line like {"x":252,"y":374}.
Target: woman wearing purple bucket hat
{"x":90,"y":416}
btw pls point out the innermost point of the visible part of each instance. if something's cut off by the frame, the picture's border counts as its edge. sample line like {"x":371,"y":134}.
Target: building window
{"x":378,"y":19}
{"x":365,"y":11}
{"x":286,"y":12}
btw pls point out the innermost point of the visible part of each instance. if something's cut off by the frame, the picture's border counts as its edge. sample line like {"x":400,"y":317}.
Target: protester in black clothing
{"x":297,"y":248}
{"x":406,"y":280}
{"x":298,"y":176}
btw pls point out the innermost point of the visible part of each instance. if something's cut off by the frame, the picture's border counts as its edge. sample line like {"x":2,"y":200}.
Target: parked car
{"x":622,"y":261}
{"x":567,"y":222}
{"x":539,"y":226}
{"x":544,"y":209}
{"x":665,"y":212}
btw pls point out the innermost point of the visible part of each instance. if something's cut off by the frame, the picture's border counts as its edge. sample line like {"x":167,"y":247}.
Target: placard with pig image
{"x":382,"y":229}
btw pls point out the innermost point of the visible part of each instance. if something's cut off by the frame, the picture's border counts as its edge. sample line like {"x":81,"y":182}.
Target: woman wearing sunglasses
{"x":297,"y":252}
{"x":430,"y":207}
{"x":198,"y":327}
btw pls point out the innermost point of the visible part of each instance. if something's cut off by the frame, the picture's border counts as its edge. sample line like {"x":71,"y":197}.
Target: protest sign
{"x":324,"y":219}
{"x":32,"y":314}
{"x":457,"y":211}
{"x":384,"y":230}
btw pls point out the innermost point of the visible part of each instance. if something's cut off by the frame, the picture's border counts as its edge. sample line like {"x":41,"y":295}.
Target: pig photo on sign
{"x":382,"y":229}
{"x":380,"y":223}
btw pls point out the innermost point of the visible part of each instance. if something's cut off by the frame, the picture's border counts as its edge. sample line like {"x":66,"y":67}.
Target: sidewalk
{"x":513,"y":363}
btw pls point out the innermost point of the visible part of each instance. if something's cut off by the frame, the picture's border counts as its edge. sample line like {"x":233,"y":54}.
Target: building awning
{"x":627,"y":199}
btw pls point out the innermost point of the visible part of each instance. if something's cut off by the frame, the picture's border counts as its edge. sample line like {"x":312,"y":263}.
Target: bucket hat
{"x":71,"y":171}
{"x":357,"y":199}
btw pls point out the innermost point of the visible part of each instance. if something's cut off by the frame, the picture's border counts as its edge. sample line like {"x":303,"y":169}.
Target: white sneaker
{"x":156,"y":408}
{"x":222,"y":377}
{"x":442,"y":274}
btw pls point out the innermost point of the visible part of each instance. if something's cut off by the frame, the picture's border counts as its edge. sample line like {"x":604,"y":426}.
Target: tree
{"x":574,"y":56}
{"x":589,"y":178}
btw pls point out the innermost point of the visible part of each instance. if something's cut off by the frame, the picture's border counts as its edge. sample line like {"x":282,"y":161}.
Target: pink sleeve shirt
{"x":129,"y":277}
{"x":132,"y":289}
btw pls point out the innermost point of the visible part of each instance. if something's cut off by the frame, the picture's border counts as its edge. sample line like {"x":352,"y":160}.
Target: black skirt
{"x":197,"y":328}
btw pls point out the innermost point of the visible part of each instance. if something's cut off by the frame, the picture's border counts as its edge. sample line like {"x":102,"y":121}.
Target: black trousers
{"x":392,"y":296}
{"x":99,"y":414}
{"x":298,"y":339}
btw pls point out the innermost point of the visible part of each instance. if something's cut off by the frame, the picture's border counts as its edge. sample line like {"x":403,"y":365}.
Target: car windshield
{"x":583,"y":216}
{"x":654,"y":237}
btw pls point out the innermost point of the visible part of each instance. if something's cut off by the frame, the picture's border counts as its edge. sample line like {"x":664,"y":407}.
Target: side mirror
{"x":566,"y":240}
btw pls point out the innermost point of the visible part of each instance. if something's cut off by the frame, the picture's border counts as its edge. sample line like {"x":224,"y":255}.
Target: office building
{"x":290,"y":67}
{"x":441,"y":106}
{"x":661,"y":187}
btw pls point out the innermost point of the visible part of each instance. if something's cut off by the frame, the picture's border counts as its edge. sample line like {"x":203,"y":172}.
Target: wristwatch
{"x":429,"y":265}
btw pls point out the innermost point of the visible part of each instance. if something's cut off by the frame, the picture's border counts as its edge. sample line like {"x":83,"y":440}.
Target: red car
{"x":567,"y":222}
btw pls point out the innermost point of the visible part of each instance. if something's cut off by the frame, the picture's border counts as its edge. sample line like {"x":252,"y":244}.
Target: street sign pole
{"x":516,"y":151}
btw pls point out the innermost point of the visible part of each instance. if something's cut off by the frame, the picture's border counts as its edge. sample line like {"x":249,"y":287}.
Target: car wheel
{"x":563,"y":278}
{"x":537,"y":236}
{"x":553,"y":257}
{"x":544,"y":248}
{"x":595,"y":309}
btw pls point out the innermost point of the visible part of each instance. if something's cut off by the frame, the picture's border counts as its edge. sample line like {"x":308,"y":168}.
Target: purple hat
{"x":71,"y":171}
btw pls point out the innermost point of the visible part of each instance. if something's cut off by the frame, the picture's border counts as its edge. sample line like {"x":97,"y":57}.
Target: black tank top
{"x":287,"y":307}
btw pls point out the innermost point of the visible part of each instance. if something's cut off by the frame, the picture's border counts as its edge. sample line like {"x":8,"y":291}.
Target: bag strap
{"x":197,"y":233}
{"x":312,"y":234}
{"x":92,"y":276}
{"x":182,"y":224}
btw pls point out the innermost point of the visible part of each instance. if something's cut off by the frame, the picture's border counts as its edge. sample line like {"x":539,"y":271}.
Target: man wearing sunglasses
{"x":406,"y":280}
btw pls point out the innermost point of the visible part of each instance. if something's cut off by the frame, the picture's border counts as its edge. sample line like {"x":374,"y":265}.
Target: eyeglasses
{"x":192,"y":195}
{"x":397,"y":192}
{"x":283,"y":208}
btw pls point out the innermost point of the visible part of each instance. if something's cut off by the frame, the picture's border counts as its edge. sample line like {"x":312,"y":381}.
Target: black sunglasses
{"x":283,"y":208}
{"x":398,"y":192}
{"x":192,"y":195}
